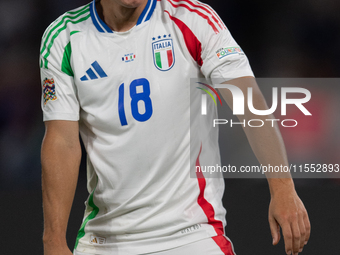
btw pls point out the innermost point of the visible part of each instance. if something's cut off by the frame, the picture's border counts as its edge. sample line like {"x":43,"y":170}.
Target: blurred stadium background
{"x":281,"y":38}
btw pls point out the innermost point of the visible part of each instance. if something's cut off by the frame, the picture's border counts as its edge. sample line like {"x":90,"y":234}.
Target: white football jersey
{"x":130,"y":92}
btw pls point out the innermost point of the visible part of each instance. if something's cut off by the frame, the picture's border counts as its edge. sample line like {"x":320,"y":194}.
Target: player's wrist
{"x":280,"y":185}
{"x":57,"y":250}
{"x":53,"y":239}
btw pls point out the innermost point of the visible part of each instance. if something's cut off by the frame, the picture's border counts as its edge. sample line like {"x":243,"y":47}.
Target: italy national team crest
{"x":163,"y":52}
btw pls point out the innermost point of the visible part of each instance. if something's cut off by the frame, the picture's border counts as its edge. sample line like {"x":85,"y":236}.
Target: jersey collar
{"x":103,"y":28}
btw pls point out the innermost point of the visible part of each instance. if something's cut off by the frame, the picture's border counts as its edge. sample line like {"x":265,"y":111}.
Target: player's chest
{"x":108,"y":68}
{"x":158,"y":54}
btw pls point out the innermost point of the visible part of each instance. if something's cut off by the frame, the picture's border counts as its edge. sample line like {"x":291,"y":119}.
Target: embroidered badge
{"x":49,"y":90}
{"x":223,"y":52}
{"x":163,"y":52}
{"x":129,"y":57}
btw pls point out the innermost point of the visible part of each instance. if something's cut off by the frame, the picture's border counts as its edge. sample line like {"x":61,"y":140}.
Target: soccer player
{"x":118,"y":72}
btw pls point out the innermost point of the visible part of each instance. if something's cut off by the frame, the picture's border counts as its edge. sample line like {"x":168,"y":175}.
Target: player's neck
{"x":118,"y":17}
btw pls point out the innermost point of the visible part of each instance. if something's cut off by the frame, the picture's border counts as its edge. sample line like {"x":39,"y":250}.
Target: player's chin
{"x":133,"y":3}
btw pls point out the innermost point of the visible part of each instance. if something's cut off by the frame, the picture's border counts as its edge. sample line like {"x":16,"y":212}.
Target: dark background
{"x":281,"y":39}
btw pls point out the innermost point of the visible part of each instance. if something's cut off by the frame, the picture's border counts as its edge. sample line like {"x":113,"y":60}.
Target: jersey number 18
{"x":135,"y":98}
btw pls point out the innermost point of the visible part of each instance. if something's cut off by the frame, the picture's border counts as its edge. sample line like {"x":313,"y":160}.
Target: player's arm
{"x":286,"y":209}
{"x":60,"y":159}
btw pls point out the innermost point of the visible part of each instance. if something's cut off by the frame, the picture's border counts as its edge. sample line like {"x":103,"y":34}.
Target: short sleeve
{"x":224,"y":58}
{"x":209,"y":41}
{"x":59,"y":95}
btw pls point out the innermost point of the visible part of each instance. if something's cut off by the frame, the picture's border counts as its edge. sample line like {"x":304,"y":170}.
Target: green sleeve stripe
{"x":56,"y":21}
{"x":66,"y":64}
{"x":63,"y":21}
{"x":48,"y":29}
{"x":92,"y":215}
{"x":80,"y":10}
{"x":56,"y":35}
{"x":74,"y":32}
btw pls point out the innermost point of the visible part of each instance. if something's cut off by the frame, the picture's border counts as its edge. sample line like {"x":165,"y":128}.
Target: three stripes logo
{"x":204,"y":97}
{"x":93,"y":72}
{"x":97,"y":239}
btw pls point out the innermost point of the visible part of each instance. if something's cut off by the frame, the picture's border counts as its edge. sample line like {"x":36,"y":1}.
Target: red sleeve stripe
{"x":202,"y":7}
{"x":193,"y":44}
{"x":224,"y":244}
{"x":213,"y":13}
{"x":207,"y":208}
{"x":198,"y":12}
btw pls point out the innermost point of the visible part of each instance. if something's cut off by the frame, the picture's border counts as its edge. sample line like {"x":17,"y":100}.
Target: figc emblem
{"x":163,"y":52}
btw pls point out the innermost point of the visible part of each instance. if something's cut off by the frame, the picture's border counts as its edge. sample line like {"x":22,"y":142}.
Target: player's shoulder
{"x":67,"y":23}
{"x":193,"y":14}
{"x":57,"y":35}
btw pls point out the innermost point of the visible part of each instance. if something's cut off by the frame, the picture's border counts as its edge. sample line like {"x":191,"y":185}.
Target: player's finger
{"x":274,"y":229}
{"x":296,"y":236}
{"x":302,"y":232}
{"x":288,"y":237}
{"x":307,"y":226}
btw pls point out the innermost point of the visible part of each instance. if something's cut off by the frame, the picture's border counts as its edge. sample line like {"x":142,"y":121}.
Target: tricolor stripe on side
{"x":224,"y":244}
{"x":193,"y":44}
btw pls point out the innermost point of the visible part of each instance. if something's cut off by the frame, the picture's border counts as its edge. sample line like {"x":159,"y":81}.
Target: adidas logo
{"x":93,"y":73}
{"x":97,"y":239}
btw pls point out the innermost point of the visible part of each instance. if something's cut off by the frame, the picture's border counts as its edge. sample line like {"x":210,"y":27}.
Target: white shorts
{"x":218,"y":245}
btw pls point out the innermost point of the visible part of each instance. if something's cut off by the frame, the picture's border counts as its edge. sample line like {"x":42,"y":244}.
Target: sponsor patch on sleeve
{"x":223,"y":52}
{"x":49,"y":90}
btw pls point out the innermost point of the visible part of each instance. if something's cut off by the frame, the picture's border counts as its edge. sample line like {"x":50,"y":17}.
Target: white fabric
{"x":139,"y":172}
{"x":203,"y":247}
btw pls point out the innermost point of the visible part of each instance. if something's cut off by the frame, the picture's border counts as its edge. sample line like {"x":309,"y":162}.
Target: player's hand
{"x":287,"y":210}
